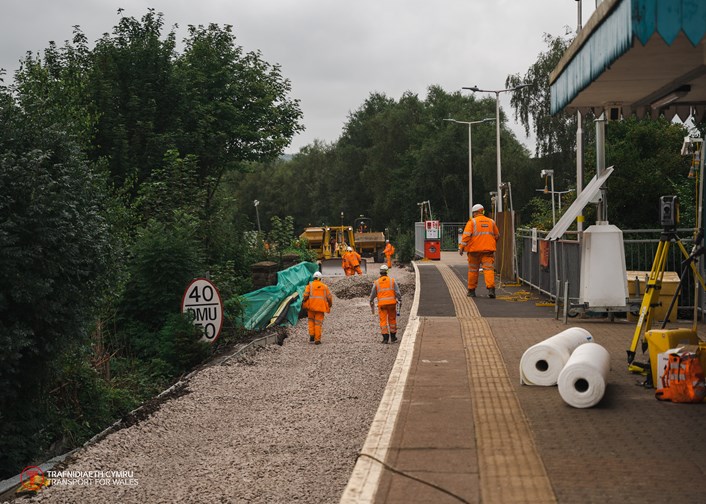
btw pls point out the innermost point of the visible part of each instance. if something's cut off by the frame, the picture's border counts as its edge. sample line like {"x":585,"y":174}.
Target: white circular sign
{"x":203,"y":300}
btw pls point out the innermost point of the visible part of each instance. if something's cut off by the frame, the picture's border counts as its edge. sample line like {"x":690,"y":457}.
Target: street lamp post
{"x":558,"y":194}
{"x":475,"y":89}
{"x":257,"y":214}
{"x":470,"y":157}
{"x":550,"y":174}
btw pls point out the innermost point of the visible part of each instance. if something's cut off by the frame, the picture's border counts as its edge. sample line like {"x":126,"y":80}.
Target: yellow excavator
{"x":330,"y":244}
{"x":368,"y":242}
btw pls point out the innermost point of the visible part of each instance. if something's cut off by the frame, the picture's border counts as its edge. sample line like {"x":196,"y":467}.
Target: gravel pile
{"x":284,"y":425}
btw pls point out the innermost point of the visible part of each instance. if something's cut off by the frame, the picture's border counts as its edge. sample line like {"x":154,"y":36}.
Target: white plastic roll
{"x":542,"y":363}
{"x":583,"y":380}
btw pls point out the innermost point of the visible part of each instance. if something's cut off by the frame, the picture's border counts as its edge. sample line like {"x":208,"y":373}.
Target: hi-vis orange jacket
{"x":386,"y":291}
{"x":389,"y":250}
{"x":480,"y":235}
{"x":317,"y":297}
{"x":352,"y":259}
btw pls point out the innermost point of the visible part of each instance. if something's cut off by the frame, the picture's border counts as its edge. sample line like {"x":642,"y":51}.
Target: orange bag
{"x":683,"y":380}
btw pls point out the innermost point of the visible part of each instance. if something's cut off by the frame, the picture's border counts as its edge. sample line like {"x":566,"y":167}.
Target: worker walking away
{"x":389,"y":252}
{"x":317,"y":301}
{"x":479,"y":241}
{"x":351,"y":262}
{"x":387,"y":292}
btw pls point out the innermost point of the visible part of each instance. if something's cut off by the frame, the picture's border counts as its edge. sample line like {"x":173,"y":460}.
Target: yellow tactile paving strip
{"x":465,"y":307}
{"x":509,"y":465}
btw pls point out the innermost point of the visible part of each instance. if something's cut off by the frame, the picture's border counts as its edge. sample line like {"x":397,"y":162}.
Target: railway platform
{"x":456,"y":425}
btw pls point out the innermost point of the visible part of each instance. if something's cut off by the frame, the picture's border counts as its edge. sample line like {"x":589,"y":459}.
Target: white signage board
{"x":432,"y":230}
{"x":203,"y":300}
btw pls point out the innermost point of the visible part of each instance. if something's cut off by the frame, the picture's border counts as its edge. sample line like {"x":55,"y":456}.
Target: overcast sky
{"x":334,"y":52}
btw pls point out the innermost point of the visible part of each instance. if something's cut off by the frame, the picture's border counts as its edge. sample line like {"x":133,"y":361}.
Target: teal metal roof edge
{"x":607,"y":43}
{"x":668,"y":18}
{"x":626,"y":20}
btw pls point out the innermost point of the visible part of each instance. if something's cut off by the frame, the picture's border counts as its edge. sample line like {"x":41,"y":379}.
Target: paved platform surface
{"x":466,"y":430}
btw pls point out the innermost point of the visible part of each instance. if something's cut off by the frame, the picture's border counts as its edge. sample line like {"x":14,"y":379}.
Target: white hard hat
{"x":317,"y":274}
{"x":349,"y":249}
{"x":383,"y":268}
{"x":477,"y":208}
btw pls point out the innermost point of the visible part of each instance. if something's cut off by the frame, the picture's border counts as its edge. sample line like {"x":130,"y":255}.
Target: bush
{"x":404,"y":250}
{"x":166,"y":258}
{"x":180,"y":344}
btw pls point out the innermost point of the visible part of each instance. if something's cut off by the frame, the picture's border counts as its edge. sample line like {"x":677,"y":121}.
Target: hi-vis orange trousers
{"x":487,"y":261}
{"x":388,"y":319}
{"x":316,"y":321}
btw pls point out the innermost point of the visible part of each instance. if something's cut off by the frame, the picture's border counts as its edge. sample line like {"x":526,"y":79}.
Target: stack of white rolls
{"x":542,"y":363}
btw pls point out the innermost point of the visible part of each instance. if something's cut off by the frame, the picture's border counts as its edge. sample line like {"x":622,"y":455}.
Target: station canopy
{"x":642,"y":57}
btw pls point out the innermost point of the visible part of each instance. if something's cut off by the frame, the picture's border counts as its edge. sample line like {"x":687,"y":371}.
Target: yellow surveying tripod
{"x":654,"y":285}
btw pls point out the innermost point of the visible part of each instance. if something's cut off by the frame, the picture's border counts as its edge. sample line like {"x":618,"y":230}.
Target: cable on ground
{"x":397,"y":471}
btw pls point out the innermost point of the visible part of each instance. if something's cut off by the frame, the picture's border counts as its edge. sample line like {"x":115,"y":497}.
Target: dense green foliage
{"x":391,"y":155}
{"x":54,"y":248}
{"x":112,"y":162}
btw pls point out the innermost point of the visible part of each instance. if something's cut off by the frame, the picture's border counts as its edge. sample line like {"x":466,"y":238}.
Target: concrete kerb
{"x":365,"y":477}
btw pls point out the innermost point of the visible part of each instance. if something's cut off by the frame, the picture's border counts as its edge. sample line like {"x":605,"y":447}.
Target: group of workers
{"x":351,"y":259}
{"x":318,"y":299}
{"x":478,"y":242}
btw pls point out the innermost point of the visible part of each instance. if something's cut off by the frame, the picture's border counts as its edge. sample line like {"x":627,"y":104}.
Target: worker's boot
{"x":317,"y":342}
{"x":384,"y":338}
{"x":311,"y":339}
{"x":393,"y":338}
{"x":471,"y":293}
{"x":491,"y":293}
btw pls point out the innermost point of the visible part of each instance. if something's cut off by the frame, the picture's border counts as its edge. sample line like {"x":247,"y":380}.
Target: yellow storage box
{"x":661,"y":340}
{"x":670,"y":281}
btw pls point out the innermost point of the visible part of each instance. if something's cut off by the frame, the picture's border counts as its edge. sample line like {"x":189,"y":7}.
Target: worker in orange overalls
{"x":479,"y":241}
{"x":351,"y":262}
{"x":389,"y":252}
{"x":317,"y":302}
{"x":387,"y":292}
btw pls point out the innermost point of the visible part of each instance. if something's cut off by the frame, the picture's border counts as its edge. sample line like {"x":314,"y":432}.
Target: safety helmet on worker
{"x":383,"y":269}
{"x":317,"y":275}
{"x":349,"y":249}
{"x":477,"y":208}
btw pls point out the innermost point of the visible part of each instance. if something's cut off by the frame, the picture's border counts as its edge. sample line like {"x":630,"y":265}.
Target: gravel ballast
{"x":283,"y":425}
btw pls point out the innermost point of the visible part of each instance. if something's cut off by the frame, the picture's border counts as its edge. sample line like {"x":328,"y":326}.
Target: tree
{"x":553,"y":133}
{"x":234,"y":107}
{"x":648,"y":164}
{"x":391,"y":155}
{"x":134,"y":95}
{"x":54,"y":248}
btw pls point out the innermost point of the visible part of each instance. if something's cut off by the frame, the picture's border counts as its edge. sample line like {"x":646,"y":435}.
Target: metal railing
{"x":549,"y":271}
{"x":552,"y":267}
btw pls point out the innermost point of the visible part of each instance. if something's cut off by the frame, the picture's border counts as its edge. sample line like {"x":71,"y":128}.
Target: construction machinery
{"x":330,"y":244}
{"x":368,"y":242}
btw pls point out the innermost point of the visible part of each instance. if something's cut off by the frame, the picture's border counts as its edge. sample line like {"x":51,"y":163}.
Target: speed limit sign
{"x":203,"y":300}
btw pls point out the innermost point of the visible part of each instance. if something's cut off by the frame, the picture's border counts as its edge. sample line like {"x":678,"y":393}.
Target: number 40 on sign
{"x":203,"y":300}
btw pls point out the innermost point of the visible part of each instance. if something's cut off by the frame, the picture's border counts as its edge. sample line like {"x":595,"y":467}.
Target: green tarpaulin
{"x":260,"y":306}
